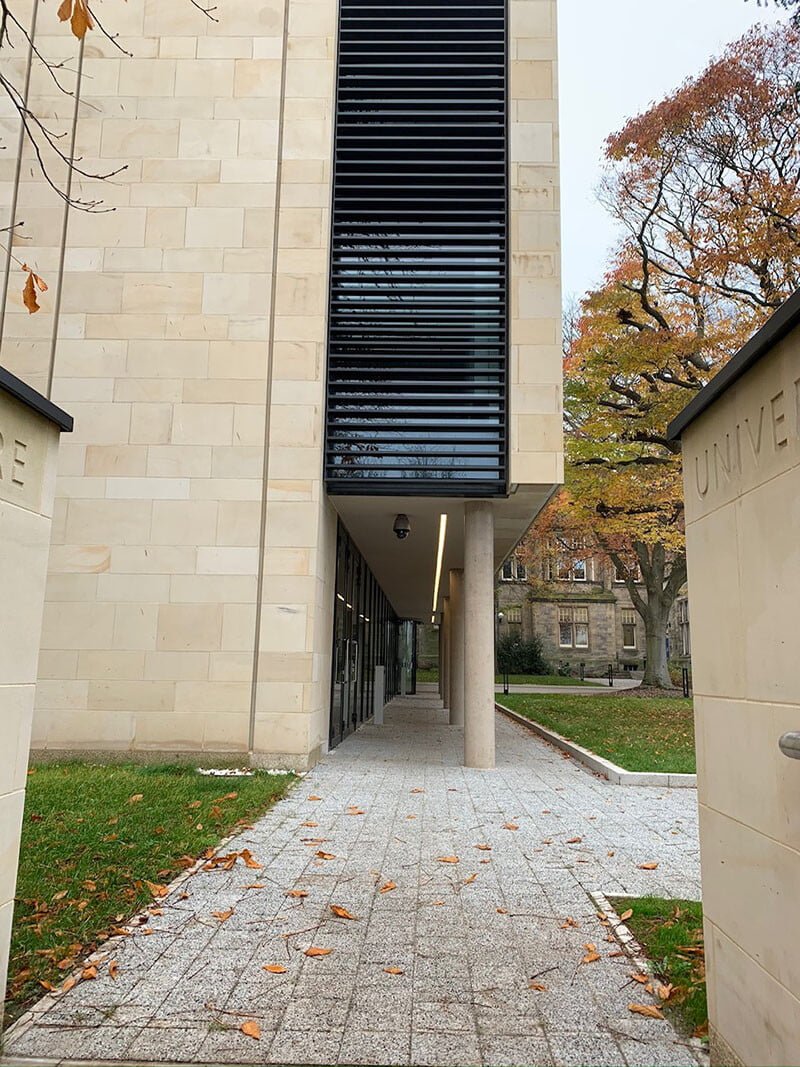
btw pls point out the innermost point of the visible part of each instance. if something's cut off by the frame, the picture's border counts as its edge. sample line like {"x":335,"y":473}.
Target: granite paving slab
{"x":436,"y":964}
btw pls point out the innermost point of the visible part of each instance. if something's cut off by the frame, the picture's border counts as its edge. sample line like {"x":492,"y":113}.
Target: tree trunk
{"x":655,"y":629}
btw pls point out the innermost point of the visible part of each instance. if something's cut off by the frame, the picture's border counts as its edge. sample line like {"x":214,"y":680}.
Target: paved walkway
{"x":467,"y":937}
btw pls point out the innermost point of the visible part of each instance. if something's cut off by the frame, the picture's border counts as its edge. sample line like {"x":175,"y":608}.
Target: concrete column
{"x":478,"y":617}
{"x":445,"y":666}
{"x":456,"y":703}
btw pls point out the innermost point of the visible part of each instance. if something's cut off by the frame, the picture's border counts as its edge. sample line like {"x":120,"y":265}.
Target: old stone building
{"x":580,"y":608}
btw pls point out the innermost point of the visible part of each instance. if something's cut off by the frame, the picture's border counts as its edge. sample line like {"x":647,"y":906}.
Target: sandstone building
{"x":327,"y":296}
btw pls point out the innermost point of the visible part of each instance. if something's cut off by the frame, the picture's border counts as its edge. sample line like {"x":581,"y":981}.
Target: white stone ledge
{"x":604,"y":767}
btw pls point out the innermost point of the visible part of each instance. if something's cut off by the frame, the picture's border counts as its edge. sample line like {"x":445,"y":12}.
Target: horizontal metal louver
{"x":416,"y":398}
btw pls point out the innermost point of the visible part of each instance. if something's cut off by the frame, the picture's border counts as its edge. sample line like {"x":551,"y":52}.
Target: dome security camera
{"x":402,"y":527}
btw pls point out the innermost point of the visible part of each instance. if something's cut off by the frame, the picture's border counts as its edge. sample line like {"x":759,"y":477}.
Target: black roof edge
{"x":9,"y":383}
{"x":777,"y":326}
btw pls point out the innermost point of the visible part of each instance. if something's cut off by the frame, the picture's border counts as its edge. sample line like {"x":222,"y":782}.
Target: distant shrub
{"x":516,"y":656}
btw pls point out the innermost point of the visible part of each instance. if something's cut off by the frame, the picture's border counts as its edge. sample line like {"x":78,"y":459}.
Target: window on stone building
{"x":573,"y":627}
{"x":627,"y":569}
{"x":683,"y":627}
{"x":565,"y":563}
{"x":628,"y":628}
{"x":514,"y":614}
{"x":514,"y":571}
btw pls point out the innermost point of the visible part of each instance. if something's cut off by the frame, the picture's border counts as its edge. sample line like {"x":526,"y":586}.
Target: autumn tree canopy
{"x":706,"y":188}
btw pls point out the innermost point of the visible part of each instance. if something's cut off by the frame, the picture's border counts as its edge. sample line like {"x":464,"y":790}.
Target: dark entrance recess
{"x":366,"y":634}
{"x":417,"y":352}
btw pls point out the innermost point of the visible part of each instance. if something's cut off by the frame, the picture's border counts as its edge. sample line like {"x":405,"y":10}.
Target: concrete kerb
{"x":636,"y":954}
{"x":598,"y":765}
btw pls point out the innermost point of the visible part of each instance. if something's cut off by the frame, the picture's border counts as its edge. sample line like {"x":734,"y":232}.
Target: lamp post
{"x":500,"y":617}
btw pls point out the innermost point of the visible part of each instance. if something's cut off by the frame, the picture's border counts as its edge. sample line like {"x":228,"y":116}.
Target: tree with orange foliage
{"x":706,"y":185}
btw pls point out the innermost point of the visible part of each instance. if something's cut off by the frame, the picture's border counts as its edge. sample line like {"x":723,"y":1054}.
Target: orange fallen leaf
{"x":393,"y":970}
{"x":313,"y":796}
{"x":88,"y":973}
{"x":484,"y":848}
{"x":247,"y":856}
{"x":437,"y":904}
{"x":649,"y":1010}
{"x":448,"y":859}
{"x":223,"y":916}
{"x":324,"y":855}
{"x":567,"y":923}
{"x":647,"y":866}
{"x":46,"y":985}
{"x":614,"y":955}
{"x":411,"y":816}
{"x":68,"y":983}
{"x":340,"y":912}
{"x":611,"y":853}
{"x":147,"y":932}
{"x":626,"y":915}
{"x":417,"y":790}
{"x":113,"y":969}
{"x":471,"y":878}
{"x":510,"y":826}
{"x":540,"y":987}
{"x":157,"y":889}
{"x":591,"y":957}
{"x":502,"y":911}
{"x":251,"y":1029}
{"x":136,"y":798}
{"x":274,"y":968}
{"x":387,"y":887}
{"x":574,"y":840}
{"x":353,"y":810}
{"x":256,"y":885}
{"x":484,"y":861}
{"x":640,"y":978}
{"x":296,"y":893}
{"x":315,"y":951}
{"x":665,"y":991}
{"x":193,"y":804}
{"x":310,"y":824}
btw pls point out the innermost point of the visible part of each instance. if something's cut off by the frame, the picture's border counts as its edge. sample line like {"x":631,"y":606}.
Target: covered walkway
{"x":435,"y":966}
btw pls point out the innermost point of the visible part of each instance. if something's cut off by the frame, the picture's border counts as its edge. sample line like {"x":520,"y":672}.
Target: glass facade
{"x":366,"y":634}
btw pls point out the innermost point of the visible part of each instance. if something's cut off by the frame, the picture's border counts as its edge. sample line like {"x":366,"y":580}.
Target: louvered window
{"x":417,"y":329}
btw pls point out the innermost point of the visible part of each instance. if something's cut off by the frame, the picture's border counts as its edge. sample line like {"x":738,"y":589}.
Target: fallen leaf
{"x":310,"y":824}
{"x":484,"y":861}
{"x":274,"y":968}
{"x":591,"y":957}
{"x":640,"y":978}
{"x":387,"y":887}
{"x":417,"y":790}
{"x":157,"y":889}
{"x":324,"y":855}
{"x":228,"y":796}
{"x":313,"y":796}
{"x":510,"y":826}
{"x":315,"y":951}
{"x":502,"y":911}
{"x":614,"y":955}
{"x":626,"y":915}
{"x":147,"y":932}
{"x":540,"y":987}
{"x":223,"y":916}
{"x":649,"y":1010}
{"x":251,"y":1029}
{"x":611,"y":853}
{"x":340,"y":912}
{"x":574,"y":840}
{"x":46,"y":985}
{"x":665,"y":991}
{"x":256,"y":885}
{"x":194,"y":804}
{"x":353,"y":810}
{"x":68,"y":983}
{"x":66,"y":963}
{"x":647,"y":866}
{"x":60,"y":895}
{"x":88,"y":973}
{"x":247,"y":856}
{"x":393,"y":970}
{"x":567,"y":923}
{"x":484,"y":848}
{"x":113,"y":969}
{"x":155,"y":911}
{"x":411,"y":816}
{"x":136,"y":798}
{"x":471,"y":878}
{"x":448,"y":859}
{"x":296,"y":893}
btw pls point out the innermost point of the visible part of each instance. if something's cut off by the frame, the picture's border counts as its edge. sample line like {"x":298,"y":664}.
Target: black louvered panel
{"x":417,"y":348}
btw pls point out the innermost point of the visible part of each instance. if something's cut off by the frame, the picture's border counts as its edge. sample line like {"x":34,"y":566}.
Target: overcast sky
{"x":616,"y":56}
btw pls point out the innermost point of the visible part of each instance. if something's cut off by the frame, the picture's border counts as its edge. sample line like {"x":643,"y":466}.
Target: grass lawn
{"x":671,"y":933}
{"x":647,"y":734}
{"x":93,"y":836}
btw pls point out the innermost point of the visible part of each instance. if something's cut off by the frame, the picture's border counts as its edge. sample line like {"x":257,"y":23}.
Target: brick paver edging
{"x":595,"y":763}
